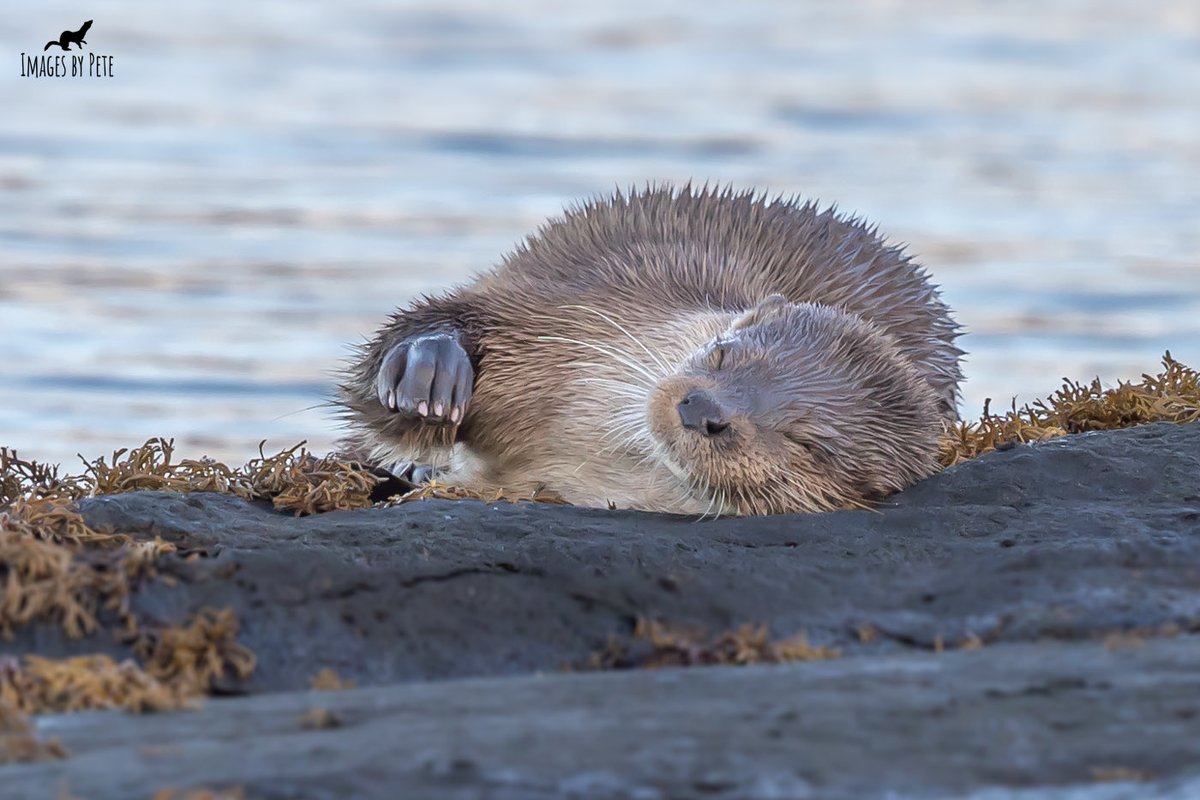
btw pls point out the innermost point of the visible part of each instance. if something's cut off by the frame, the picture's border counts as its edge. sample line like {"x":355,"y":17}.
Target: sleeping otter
{"x":681,"y":350}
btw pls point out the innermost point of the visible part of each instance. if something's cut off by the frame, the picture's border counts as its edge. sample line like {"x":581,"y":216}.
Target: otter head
{"x":795,"y":407}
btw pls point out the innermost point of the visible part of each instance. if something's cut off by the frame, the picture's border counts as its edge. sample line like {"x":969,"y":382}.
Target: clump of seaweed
{"x":53,"y":520}
{"x":54,"y":568}
{"x":1173,"y":395}
{"x":194,"y":659}
{"x":327,"y":680}
{"x":654,"y":644}
{"x":32,"y":480}
{"x":37,"y":685}
{"x":297,"y":481}
{"x":150,"y":467}
{"x":19,"y":743}
{"x":293,"y":479}
{"x":43,"y":581}
{"x":436,"y":490}
{"x":182,"y":663}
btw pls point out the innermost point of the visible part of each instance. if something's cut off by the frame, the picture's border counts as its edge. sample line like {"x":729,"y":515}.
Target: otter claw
{"x":427,"y":376}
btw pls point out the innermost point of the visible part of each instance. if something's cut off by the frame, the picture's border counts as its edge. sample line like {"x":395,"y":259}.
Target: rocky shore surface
{"x":1020,"y":625}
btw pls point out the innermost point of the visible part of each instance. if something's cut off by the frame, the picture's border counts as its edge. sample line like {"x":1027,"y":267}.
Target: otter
{"x":66,"y":38}
{"x":687,"y":350}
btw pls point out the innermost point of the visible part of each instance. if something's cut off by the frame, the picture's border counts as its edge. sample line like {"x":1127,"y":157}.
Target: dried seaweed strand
{"x":1173,"y":395}
{"x":655,"y":644}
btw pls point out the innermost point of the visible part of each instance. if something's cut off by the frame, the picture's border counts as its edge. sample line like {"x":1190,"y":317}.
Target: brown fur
{"x":829,"y":349}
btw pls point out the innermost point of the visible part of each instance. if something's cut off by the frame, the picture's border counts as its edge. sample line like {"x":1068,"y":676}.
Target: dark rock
{"x":987,"y":725}
{"x":1068,"y":539}
{"x":1029,"y":552}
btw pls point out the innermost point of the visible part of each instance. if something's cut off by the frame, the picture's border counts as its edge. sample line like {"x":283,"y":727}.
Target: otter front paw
{"x":429,"y":376}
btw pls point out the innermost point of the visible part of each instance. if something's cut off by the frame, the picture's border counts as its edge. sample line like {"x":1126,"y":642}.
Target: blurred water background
{"x":186,"y":247}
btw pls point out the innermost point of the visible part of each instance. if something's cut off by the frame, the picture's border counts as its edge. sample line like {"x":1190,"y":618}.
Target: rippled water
{"x":186,"y":247}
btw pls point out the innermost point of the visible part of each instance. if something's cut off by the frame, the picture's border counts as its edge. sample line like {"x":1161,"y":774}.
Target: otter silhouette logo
{"x":71,"y":62}
{"x":66,"y":38}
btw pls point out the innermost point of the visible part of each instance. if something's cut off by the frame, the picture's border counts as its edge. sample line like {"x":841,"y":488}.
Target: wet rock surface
{"x":1037,"y":553}
{"x":1068,"y":539}
{"x":1029,"y":721}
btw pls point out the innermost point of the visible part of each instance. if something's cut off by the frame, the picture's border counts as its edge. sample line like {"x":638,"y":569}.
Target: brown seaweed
{"x":655,"y":644}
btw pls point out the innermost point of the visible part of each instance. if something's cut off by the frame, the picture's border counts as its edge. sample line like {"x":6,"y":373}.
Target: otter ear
{"x":765,"y":309}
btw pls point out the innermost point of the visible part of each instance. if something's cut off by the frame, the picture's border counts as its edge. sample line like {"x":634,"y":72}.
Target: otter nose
{"x":698,"y":411}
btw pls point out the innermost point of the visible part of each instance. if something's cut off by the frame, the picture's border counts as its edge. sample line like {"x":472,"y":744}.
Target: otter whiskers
{"x":690,"y":487}
{"x":612,"y":353}
{"x":662,"y":365}
{"x":627,"y":430}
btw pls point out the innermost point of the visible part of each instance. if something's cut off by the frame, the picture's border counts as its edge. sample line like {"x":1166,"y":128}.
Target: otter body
{"x":690,"y":351}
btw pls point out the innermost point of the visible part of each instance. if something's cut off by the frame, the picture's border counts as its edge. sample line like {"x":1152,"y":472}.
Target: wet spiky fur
{"x":585,"y":336}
